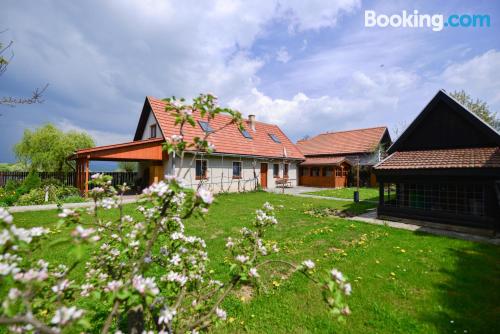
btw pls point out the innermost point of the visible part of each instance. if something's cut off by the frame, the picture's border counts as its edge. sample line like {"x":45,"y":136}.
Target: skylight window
{"x":274,"y":138}
{"x":205,"y":126}
{"x":246,"y":134}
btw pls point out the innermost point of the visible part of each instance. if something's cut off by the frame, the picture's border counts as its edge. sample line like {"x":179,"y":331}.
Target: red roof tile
{"x":485,"y":157}
{"x":324,"y":161}
{"x":230,"y":140}
{"x":343,"y":142}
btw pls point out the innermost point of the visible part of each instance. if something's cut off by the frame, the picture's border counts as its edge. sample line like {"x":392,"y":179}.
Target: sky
{"x":307,"y":66}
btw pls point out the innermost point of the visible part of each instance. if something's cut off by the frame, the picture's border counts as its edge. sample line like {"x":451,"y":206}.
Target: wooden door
{"x":155,"y":173}
{"x":263,"y":175}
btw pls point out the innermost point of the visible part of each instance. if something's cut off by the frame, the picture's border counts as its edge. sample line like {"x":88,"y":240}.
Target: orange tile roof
{"x":230,"y":140}
{"x":484,"y":157}
{"x":343,"y":142}
{"x":324,"y":161}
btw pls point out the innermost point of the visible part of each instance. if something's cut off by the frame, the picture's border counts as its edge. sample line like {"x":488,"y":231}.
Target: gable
{"x":445,"y":124}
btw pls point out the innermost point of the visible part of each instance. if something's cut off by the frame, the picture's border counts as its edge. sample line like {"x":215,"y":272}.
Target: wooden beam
{"x":86,"y":177}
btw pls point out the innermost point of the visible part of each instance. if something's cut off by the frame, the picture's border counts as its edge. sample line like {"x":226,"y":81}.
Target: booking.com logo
{"x":415,"y":20}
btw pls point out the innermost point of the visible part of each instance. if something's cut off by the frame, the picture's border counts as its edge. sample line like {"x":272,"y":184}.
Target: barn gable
{"x":443,"y":124}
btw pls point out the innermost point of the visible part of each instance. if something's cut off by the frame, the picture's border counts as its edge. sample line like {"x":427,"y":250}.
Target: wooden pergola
{"x":140,"y":150}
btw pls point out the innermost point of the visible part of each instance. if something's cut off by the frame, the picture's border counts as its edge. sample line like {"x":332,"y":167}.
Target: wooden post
{"x":380,"y":193}
{"x":87,"y":162}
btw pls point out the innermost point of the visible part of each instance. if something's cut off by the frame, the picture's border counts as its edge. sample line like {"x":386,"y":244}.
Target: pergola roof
{"x":140,"y":150}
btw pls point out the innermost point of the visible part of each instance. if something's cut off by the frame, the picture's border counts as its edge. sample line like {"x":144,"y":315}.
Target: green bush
{"x":54,"y":194}
{"x":51,"y":181}
{"x":32,"y":181}
{"x":12,"y":185}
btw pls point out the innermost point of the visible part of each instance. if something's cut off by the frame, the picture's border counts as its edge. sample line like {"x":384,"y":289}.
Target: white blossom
{"x":86,"y":288}
{"x":242,"y":258}
{"x":253,"y":273}
{"x":230,"y":243}
{"x":6,"y":216}
{"x":4,"y":237}
{"x":166,"y":316}
{"x":114,"y":286}
{"x":176,"y":277}
{"x":176,"y":138}
{"x":221,"y":313}
{"x":309,"y":264}
{"x":66,"y":213}
{"x":268,"y":206}
{"x":205,"y":195}
{"x":347,"y":289}
{"x":145,"y":285}
{"x":337,"y":275}
{"x":14,"y":293}
{"x":65,"y":315}
{"x":109,"y":203}
{"x":61,"y":286}
{"x":83,"y":233}
{"x":175,"y":260}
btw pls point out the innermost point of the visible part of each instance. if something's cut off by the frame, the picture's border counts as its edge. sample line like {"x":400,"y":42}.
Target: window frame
{"x":241,"y":170}
{"x":276,"y":175}
{"x":205,"y":126}
{"x":247,"y":136}
{"x":203,"y":176}
{"x":274,"y":138}
{"x":151,"y":127}
{"x":286,"y":170}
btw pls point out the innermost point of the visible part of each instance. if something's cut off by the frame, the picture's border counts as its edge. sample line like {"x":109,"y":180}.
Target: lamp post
{"x":356,"y":193}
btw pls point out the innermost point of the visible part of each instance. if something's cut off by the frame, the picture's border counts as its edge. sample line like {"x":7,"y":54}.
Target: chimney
{"x":251,"y":121}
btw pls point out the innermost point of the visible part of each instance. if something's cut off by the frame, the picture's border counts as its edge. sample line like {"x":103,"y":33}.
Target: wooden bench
{"x":283,"y":182}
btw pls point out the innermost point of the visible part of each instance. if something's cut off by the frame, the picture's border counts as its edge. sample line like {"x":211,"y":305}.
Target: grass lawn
{"x":403,"y":282}
{"x":370,"y":194}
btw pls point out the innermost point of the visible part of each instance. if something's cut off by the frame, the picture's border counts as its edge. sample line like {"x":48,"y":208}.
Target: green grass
{"x":370,"y":194}
{"x":403,"y":282}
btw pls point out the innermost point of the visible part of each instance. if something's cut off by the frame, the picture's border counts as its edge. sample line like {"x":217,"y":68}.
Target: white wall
{"x":151,"y":121}
{"x":220,"y":172}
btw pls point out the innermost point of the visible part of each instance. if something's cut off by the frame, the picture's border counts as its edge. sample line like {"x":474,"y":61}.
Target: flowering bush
{"x":144,"y":275}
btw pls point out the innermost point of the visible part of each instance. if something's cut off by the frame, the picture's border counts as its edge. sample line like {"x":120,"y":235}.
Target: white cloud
{"x":479,"y":76}
{"x":100,"y":137}
{"x":282,"y":55}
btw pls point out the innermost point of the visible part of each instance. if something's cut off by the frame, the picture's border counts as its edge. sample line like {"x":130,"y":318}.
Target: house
{"x":330,"y":156}
{"x":444,"y":168}
{"x":260,"y":155}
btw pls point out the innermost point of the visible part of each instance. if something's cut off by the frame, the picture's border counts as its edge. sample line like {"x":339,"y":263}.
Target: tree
{"x":478,"y":107}
{"x":36,"y":96}
{"x":47,"y":148}
{"x":144,"y":275}
{"x":127,"y":166}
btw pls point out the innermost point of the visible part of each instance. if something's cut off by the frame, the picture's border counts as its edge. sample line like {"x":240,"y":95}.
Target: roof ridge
{"x":222,"y":114}
{"x":353,"y":130}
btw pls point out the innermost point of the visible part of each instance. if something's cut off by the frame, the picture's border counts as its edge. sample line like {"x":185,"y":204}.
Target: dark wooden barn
{"x":444,"y":168}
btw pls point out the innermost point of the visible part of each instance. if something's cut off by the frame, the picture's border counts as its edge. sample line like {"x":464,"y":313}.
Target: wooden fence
{"x":68,"y":179}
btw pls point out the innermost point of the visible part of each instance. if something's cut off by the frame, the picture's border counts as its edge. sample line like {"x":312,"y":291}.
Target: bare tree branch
{"x":36,"y":97}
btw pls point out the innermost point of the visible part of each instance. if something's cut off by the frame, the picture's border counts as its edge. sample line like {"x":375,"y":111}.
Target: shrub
{"x":12,"y":185}
{"x":52,"y":193}
{"x":8,"y":197}
{"x":32,"y":181}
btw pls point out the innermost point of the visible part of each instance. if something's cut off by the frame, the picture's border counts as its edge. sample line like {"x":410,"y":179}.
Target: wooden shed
{"x":444,"y":168}
{"x":324,"y":172}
